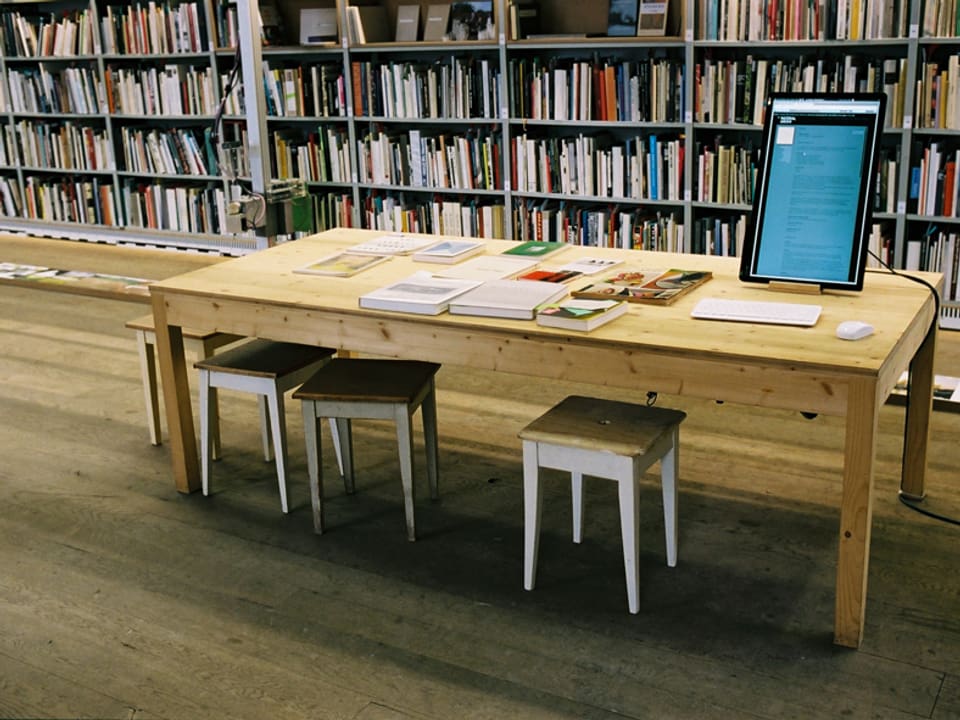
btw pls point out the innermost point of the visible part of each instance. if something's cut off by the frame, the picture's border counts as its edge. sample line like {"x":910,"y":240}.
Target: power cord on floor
{"x":915,"y":504}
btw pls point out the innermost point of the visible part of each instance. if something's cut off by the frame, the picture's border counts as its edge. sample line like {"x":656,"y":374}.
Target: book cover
{"x":535,"y":249}
{"x":514,"y":299}
{"x":421,"y":294}
{"x":438,"y":17}
{"x":656,"y":287}
{"x":471,"y":20}
{"x":622,"y":18}
{"x":577,"y":314}
{"x":489,"y":267}
{"x":449,"y":251}
{"x":554,"y":276}
{"x":408,"y":23}
{"x":342,"y":264}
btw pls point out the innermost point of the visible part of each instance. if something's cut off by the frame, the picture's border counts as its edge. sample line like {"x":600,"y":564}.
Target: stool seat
{"x":608,"y":439}
{"x":372,"y":389}
{"x":618,"y":427}
{"x":267,"y":369}
{"x":200,"y":342}
{"x":375,"y":381}
{"x":265,"y":359}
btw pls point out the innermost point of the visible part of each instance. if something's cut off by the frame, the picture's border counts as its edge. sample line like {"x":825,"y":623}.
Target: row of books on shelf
{"x":560,"y":89}
{"x":726,"y":174}
{"x":49,"y":34}
{"x":937,"y":101}
{"x":133,"y":204}
{"x":174,"y":89}
{"x":938,"y":251}
{"x":154,"y":28}
{"x":758,"y":20}
{"x":76,"y":90}
{"x":641,"y":168}
{"x":612,"y":227}
{"x":439,"y":216}
{"x":64,"y":146}
{"x":456,"y":87}
{"x":322,"y":156}
{"x":416,"y":159}
{"x":933,"y":180}
{"x":297,"y":91}
{"x":142,"y":28}
{"x":940,"y":19}
{"x":735,"y":91}
{"x":169,"y":152}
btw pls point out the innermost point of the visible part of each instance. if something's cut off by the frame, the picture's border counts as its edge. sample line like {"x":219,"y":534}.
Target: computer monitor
{"x":811,"y":215}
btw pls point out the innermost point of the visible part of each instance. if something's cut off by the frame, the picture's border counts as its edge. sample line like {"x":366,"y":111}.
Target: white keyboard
{"x":757,"y":311}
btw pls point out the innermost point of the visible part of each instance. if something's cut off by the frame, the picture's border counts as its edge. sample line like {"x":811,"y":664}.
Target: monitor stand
{"x":795,"y":287}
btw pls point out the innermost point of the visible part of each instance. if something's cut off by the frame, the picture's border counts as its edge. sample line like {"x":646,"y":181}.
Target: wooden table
{"x":651,"y":348}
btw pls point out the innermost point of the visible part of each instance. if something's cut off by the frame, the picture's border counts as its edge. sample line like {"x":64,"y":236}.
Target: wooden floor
{"x":120,"y":598}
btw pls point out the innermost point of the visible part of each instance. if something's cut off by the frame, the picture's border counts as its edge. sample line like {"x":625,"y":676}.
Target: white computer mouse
{"x":854,"y":330}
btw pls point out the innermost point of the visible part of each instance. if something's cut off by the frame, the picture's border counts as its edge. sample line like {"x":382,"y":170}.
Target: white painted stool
{"x":267,"y":369}
{"x":607,"y":439}
{"x":200,"y":343}
{"x":370,"y":389}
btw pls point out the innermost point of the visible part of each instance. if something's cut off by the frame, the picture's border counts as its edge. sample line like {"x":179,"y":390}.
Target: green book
{"x":535,"y":248}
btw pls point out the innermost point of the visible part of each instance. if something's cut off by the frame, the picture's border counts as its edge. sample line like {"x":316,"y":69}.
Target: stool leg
{"x":278,"y":429}
{"x":148,"y":375}
{"x":428,"y":410}
{"x":214,"y":424}
{"x":311,"y":433}
{"x":335,"y":435}
{"x":576,"y":488}
{"x":264,"y":427}
{"x":205,"y":430}
{"x":405,"y":446}
{"x":629,"y":520}
{"x":345,"y":441}
{"x":532,"y":504}
{"x":668,"y":483}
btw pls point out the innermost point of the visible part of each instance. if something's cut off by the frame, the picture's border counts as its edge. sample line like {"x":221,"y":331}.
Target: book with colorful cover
{"x":655,"y":287}
{"x":535,"y":249}
{"x":342,"y":264}
{"x":546,"y":275}
{"x":580,"y":314}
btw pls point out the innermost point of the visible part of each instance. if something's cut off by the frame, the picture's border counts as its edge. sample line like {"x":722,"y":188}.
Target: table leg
{"x":176,"y":398}
{"x":917,"y":428}
{"x":856,"y":511}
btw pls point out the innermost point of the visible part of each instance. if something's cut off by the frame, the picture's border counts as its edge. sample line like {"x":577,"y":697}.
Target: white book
{"x":489,"y":267}
{"x":514,"y":299}
{"x":421,"y":293}
{"x":394,"y":244}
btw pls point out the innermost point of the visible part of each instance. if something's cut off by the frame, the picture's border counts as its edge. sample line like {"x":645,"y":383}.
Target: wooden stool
{"x":371,"y":389}
{"x":201,"y":343}
{"x":608,"y":439}
{"x":267,"y":369}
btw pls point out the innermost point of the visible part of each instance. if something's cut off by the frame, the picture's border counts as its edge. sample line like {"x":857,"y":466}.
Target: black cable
{"x":224,"y":96}
{"x":929,"y":513}
{"x":912,"y":504}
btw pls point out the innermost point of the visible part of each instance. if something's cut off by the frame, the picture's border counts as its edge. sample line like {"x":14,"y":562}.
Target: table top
{"x":900,"y":310}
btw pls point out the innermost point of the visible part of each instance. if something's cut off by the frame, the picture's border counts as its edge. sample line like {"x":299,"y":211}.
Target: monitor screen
{"x":811,"y":216}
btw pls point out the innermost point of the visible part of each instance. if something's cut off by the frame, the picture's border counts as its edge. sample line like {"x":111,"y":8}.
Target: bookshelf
{"x":650,"y":141}
{"x":107,"y":111}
